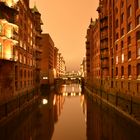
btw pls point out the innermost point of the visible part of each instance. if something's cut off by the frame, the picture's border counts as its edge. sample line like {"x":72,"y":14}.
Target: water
{"x":68,"y":114}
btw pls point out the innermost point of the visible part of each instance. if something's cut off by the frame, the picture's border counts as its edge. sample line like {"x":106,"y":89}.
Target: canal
{"x":69,"y":114}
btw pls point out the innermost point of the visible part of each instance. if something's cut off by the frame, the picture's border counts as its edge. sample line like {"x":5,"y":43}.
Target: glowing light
{"x":15,"y":1}
{"x":44,"y":78}
{"x":79,"y":94}
{"x":44,"y":101}
{"x":54,"y":100}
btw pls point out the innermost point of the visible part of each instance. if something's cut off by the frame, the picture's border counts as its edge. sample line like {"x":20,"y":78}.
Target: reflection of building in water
{"x":37,"y":124}
{"x":58,"y":103}
{"x":105,"y":124}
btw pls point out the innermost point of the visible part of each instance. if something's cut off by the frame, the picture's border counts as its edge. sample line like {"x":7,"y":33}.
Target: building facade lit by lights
{"x":18,"y":58}
{"x":8,"y":42}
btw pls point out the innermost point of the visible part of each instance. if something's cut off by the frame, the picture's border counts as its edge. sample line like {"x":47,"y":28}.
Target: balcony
{"x":10,"y":4}
{"x":104,"y":56}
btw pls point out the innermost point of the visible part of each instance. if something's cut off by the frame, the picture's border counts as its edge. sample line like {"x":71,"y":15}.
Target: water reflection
{"x":69,"y":115}
{"x":104,"y":123}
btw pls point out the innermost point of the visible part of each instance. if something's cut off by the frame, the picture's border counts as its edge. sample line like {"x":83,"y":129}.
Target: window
{"x":122,"y":4}
{"x":122,"y":17}
{"x":138,"y":70}
{"x":137,"y":4}
{"x":129,"y":70}
{"x":122,"y":71}
{"x":138,"y":19}
{"x":122,"y":31}
{"x":129,"y":55}
{"x":122,"y":57}
{"x":138,"y":43}
{"x":129,"y":11}
{"x":129,"y":40}
{"x":116,"y":47}
{"x":116,"y":59}
{"x":129,"y":27}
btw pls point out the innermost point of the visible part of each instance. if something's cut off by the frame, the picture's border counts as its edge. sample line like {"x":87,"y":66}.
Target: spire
{"x":92,"y":23}
{"x":91,"y":20}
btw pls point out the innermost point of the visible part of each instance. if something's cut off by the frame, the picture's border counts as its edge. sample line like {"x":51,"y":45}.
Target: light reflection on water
{"x":69,"y":115}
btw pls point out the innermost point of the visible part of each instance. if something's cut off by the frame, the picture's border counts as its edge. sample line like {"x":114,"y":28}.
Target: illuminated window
{"x":116,"y":59}
{"x":0,"y":28}
{"x":0,"y":50}
{"x":122,"y":58}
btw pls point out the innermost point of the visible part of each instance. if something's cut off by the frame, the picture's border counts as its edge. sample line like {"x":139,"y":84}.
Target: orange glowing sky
{"x":67,"y":21}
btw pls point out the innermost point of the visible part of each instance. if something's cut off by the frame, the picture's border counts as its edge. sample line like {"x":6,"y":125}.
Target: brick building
{"x":18,"y":59}
{"x":126,"y":46}
{"x":8,"y":41}
{"x":47,"y":63}
{"x":37,"y":44}
{"x":119,"y":66}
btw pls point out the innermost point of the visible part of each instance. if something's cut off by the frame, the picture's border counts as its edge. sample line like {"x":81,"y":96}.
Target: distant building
{"x":61,"y":66}
{"x":37,"y":45}
{"x":83,"y":68}
{"x":47,"y":63}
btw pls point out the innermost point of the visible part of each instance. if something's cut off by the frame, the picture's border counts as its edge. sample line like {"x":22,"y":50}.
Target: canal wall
{"x":125,"y":104}
{"x":16,"y":105}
